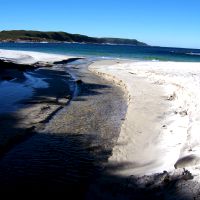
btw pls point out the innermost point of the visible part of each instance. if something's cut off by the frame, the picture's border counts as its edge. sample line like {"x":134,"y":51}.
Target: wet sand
{"x":68,"y":151}
{"x":34,"y":111}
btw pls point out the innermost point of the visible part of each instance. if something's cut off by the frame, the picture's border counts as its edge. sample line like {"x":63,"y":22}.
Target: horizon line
{"x":151,"y":45}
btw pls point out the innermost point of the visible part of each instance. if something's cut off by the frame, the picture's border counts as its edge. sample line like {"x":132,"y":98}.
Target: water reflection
{"x":34,"y":82}
{"x":12,"y":92}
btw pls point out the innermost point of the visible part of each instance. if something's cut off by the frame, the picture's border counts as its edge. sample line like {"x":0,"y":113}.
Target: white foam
{"x":196,"y":54}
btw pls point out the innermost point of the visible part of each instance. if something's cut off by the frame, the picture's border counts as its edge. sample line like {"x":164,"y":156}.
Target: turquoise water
{"x":110,"y":51}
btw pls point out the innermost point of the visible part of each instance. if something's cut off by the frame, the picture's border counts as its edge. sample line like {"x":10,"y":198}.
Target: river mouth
{"x":68,"y":151}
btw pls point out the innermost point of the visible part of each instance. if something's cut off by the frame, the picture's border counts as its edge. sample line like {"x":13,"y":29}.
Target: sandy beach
{"x":132,"y":121}
{"x":30,"y":57}
{"x":160,"y":131}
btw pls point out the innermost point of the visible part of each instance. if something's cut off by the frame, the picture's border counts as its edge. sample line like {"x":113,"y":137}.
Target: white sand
{"x":162,"y":124}
{"x":28,"y":57}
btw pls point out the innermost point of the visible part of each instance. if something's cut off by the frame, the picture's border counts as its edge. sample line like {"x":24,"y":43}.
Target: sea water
{"x":92,"y":52}
{"x":110,"y":51}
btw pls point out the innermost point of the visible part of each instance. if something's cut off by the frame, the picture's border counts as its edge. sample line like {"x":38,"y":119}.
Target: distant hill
{"x":39,"y":36}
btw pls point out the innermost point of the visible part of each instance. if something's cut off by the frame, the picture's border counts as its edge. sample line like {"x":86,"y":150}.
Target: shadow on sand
{"x":71,"y":164}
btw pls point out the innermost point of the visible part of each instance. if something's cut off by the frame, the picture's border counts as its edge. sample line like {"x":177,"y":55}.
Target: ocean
{"x":110,"y":51}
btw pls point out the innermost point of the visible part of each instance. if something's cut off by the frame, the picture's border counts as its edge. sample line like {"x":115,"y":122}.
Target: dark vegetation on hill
{"x":39,"y":36}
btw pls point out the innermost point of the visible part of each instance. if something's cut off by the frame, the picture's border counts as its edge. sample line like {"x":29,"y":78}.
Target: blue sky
{"x":157,"y":22}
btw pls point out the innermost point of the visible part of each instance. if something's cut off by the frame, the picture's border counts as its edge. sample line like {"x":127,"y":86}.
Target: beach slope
{"x":161,"y":128}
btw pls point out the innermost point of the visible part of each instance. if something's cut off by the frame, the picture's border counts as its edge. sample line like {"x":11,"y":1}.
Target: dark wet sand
{"x":68,"y":152}
{"x":45,"y":102}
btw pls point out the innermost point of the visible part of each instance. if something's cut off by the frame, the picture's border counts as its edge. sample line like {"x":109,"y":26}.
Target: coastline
{"x":159,"y":132}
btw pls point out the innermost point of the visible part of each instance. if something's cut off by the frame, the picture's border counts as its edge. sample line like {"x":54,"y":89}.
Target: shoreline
{"x":109,"y":69}
{"x":158,"y":134}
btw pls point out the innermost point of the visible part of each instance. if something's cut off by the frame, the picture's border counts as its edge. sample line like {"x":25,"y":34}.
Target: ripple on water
{"x":51,"y":161}
{"x":12,"y":92}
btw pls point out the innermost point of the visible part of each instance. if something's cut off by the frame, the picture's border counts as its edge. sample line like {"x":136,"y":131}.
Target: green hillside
{"x":39,"y":36}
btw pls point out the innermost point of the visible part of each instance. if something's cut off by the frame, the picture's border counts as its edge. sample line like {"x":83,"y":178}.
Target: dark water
{"x":14,"y":91}
{"x":110,"y":51}
{"x":47,"y":163}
